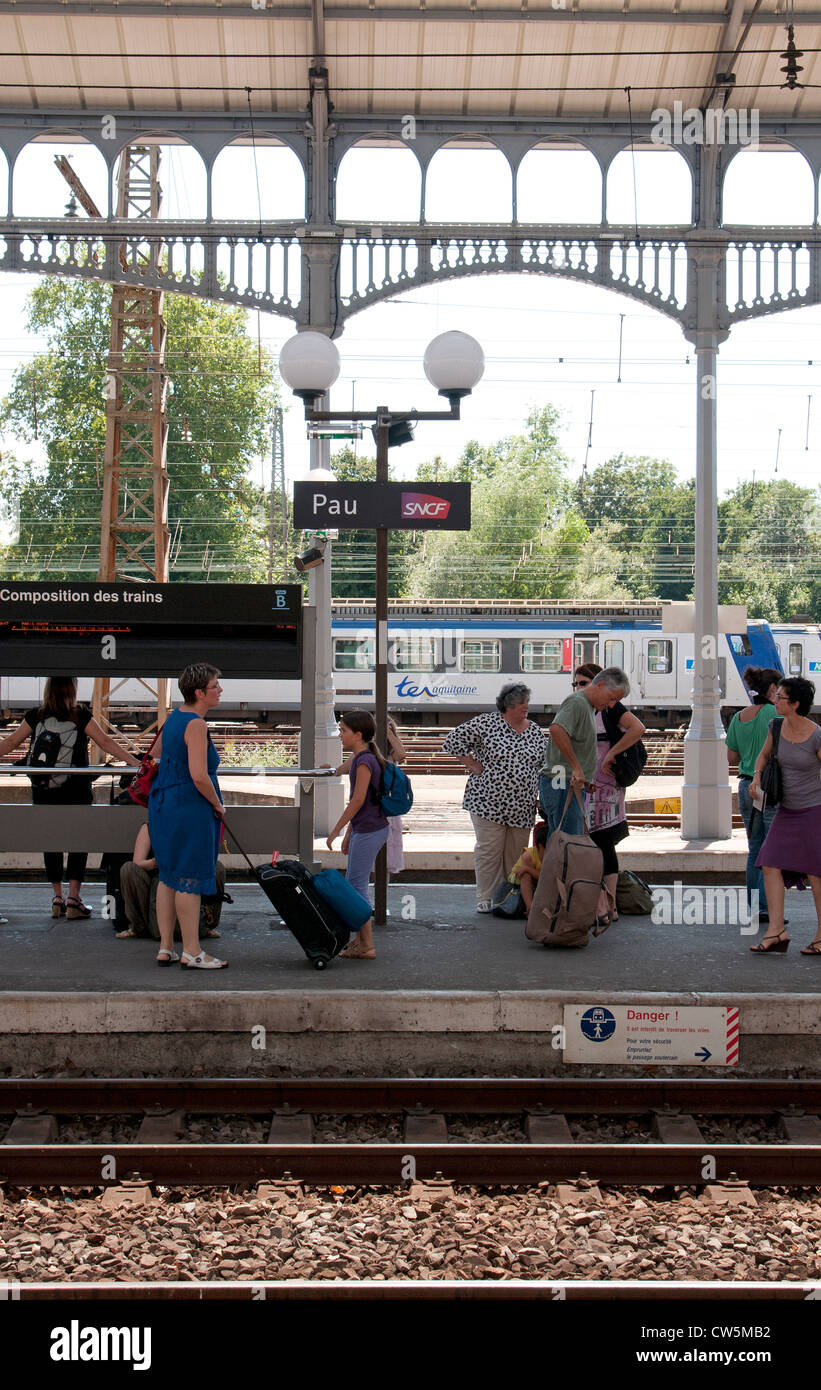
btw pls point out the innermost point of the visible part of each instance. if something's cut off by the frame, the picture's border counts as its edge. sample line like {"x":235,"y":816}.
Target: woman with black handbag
{"x":791,"y":853}
{"x":746,"y":737}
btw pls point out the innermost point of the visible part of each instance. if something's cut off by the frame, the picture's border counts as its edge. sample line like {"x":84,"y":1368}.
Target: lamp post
{"x":309,"y":364}
{"x":318,"y":369}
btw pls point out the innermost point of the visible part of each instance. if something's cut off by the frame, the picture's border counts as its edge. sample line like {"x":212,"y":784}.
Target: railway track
{"x":675,"y":1154}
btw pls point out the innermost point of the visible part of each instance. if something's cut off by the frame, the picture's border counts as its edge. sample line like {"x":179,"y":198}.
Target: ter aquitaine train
{"x":448,"y":659}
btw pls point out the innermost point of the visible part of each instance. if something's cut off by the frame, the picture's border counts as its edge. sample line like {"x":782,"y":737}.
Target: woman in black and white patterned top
{"x":504,"y":753}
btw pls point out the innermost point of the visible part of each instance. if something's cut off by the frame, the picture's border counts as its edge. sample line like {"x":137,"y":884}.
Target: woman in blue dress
{"x":185,"y":813}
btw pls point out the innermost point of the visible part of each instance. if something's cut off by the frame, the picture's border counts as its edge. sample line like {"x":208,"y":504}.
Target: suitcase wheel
{"x":320,"y":962}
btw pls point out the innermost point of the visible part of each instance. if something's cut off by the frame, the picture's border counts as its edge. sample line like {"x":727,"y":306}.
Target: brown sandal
{"x":354,"y":952}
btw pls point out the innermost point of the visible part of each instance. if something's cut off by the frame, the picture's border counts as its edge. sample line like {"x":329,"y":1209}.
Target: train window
{"x":541,"y":656}
{"x":481,"y":656}
{"x":586,"y":649}
{"x":614,"y":653}
{"x":413,"y":653}
{"x":659,"y":658}
{"x":353,"y":654}
{"x":796,"y":658}
{"x":740,"y":644}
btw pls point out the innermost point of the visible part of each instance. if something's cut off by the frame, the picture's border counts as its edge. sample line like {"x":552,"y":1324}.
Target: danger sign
{"x":651,"y":1035}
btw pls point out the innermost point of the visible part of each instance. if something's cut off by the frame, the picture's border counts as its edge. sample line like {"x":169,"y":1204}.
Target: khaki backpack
{"x":566,"y":898}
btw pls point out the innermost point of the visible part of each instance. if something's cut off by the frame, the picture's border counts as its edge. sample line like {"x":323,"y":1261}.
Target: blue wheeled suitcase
{"x":289,"y":888}
{"x":346,"y":902}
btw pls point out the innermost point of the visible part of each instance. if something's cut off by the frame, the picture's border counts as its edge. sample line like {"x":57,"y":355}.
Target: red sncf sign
{"x":422,"y":504}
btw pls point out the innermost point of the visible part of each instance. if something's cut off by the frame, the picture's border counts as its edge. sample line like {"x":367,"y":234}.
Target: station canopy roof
{"x":460,"y":58}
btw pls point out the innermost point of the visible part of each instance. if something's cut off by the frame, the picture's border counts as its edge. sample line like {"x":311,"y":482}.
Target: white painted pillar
{"x":329,"y":797}
{"x":706,"y":804}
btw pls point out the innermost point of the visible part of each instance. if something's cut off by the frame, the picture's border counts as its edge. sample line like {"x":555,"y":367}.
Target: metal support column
{"x":706,"y":804}
{"x":381,"y":653}
{"x":329,"y":797}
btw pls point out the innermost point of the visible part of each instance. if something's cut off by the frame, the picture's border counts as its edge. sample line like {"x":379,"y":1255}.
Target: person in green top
{"x":572,"y":746}
{"x":746,"y":737}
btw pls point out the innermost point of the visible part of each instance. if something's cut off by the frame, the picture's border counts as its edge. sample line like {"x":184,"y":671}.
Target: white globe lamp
{"x":309,"y":364}
{"x":454,"y":362}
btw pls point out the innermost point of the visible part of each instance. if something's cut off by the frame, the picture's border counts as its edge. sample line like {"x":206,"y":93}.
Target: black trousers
{"x":55,"y":862}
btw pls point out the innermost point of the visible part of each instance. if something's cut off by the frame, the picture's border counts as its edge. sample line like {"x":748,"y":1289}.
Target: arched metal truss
{"x":319,"y":272}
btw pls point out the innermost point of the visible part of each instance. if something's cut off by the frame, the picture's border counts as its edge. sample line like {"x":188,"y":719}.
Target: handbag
{"x":772,"y":781}
{"x":629,"y":765}
{"x":507,"y":900}
{"x":140,"y":789}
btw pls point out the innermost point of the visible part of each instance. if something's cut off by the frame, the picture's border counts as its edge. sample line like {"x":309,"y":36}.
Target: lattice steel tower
{"x":135,"y":537}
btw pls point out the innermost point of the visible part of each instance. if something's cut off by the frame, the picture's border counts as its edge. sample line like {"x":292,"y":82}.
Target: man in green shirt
{"x":572,"y":746}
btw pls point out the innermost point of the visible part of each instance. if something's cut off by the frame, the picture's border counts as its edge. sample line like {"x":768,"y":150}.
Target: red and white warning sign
{"x":652,"y":1034}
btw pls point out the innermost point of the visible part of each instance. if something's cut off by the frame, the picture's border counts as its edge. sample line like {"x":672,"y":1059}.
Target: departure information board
{"x":68,"y":629}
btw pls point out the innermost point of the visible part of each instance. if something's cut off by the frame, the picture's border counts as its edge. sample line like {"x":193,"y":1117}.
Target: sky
{"x":545,"y":339}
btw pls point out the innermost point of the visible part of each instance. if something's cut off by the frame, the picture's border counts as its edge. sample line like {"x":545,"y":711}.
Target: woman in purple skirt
{"x":791,"y":853}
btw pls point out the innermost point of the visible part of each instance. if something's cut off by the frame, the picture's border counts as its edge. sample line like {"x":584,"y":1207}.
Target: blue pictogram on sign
{"x":598,"y":1024}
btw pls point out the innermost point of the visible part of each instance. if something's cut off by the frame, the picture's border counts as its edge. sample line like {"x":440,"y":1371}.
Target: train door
{"x":657,"y":668}
{"x":585,"y":648}
{"x":794,"y":665}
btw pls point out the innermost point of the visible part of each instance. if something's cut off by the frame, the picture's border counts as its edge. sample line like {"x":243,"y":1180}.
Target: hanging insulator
{"x":793,"y":67}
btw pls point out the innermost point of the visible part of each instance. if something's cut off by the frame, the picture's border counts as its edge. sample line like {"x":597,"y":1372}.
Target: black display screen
{"x":117,"y":630}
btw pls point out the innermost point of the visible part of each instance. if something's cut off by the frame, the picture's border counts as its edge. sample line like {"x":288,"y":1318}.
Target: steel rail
{"x":383,"y":1095}
{"x":387,"y":1165}
{"x":422,"y":1291}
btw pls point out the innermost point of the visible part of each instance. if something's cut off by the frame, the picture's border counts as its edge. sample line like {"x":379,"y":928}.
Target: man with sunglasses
{"x":572,"y":747}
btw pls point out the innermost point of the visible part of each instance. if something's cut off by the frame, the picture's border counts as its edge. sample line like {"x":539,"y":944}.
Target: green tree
{"x":770,"y":549}
{"x":525,"y":541}
{"x":220,"y":405}
{"x":653,"y":518}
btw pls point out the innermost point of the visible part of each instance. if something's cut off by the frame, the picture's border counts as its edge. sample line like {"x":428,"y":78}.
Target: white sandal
{"x":172,"y":957}
{"x":201,"y":962}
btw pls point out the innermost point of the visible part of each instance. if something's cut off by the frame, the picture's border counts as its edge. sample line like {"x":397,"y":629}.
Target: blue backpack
{"x":395,"y":791}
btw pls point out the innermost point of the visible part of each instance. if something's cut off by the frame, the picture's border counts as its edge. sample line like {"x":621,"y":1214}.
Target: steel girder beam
{"x":765,"y":270}
{"x":233,"y":9}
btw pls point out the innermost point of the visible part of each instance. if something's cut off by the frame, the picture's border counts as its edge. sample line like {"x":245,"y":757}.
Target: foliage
{"x":770,"y":549}
{"x":220,"y":405}
{"x":652,"y":515}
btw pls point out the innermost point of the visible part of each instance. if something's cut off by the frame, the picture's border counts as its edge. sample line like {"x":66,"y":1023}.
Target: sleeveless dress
{"x":184,"y":831}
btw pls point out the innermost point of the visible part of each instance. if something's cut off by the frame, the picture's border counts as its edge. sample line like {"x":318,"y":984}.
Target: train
{"x":447,"y":660}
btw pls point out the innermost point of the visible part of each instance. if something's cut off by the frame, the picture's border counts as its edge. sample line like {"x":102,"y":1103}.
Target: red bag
{"x":149,"y":767}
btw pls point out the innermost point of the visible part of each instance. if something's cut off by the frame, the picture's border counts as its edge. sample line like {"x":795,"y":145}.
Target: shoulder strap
{"x":776,"y":736}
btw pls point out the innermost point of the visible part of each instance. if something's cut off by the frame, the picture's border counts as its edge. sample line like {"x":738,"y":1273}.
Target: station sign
{"x":65,"y":628}
{"x":651,"y":1035}
{"x":395,"y":506}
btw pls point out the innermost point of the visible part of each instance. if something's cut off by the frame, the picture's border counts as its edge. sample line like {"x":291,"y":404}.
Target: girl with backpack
{"x":59,"y":732}
{"x":366,"y":822}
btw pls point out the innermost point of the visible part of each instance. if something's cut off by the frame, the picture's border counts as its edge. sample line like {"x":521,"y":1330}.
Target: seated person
{"x":138,"y":882}
{"x":528,"y":866}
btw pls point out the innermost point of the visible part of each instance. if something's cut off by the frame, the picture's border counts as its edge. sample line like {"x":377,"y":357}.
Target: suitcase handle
{"x":238,"y":845}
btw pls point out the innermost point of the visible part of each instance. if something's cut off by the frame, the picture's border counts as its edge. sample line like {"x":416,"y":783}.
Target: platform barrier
{"x":113,"y":828}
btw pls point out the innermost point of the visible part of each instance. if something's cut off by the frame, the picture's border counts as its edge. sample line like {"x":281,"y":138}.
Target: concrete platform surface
{"x":434,"y":941}
{"x":450,"y":993}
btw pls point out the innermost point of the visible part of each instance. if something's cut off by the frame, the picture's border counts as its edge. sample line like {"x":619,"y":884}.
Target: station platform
{"x":451,"y":992}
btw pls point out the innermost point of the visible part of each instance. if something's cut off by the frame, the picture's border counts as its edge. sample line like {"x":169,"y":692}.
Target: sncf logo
{"x":421,"y":504}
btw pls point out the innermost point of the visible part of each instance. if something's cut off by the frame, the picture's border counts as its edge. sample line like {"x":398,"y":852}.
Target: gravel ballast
{"x":374,"y":1234}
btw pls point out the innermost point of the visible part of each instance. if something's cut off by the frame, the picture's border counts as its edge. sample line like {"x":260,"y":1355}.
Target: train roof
{"x":650,"y":610}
